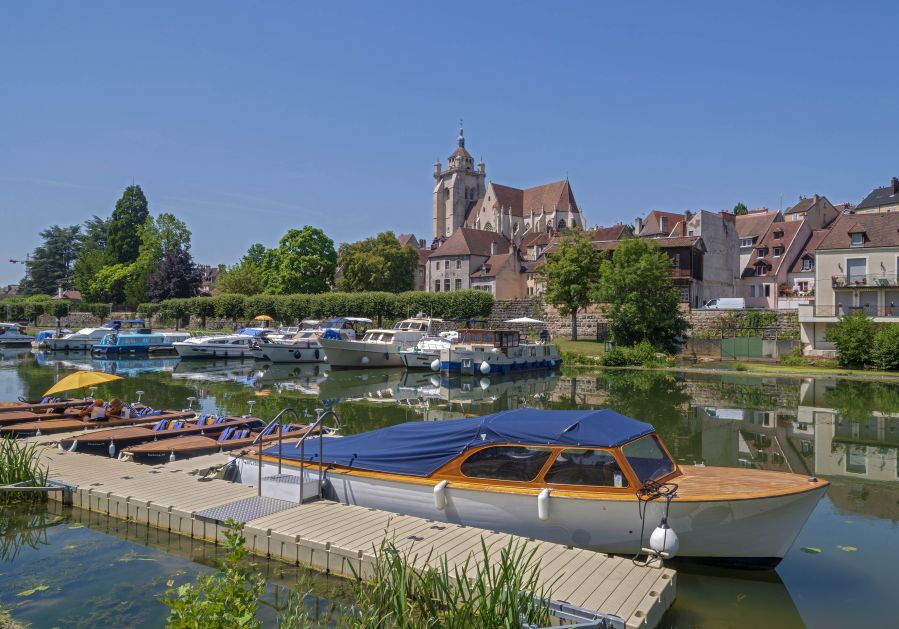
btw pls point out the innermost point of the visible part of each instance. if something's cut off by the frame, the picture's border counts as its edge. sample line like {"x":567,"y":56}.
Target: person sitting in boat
{"x":544,"y":335}
{"x":115,"y":407}
{"x":95,"y":411}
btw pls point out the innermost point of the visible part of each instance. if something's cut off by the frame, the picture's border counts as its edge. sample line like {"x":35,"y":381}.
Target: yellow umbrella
{"x":263,"y":318}
{"x":81,"y":379}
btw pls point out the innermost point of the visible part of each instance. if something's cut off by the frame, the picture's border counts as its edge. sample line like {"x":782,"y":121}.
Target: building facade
{"x":766,"y":275}
{"x":884,"y":199}
{"x":815,"y":210}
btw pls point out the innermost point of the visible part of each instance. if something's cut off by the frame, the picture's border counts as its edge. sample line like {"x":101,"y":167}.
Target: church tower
{"x":456,"y":189}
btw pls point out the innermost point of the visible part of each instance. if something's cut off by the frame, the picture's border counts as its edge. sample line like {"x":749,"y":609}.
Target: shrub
{"x":795,"y":359}
{"x":642,"y":354}
{"x":885,"y":348}
{"x":740,"y":367}
{"x":616,"y":357}
{"x":853,"y":336}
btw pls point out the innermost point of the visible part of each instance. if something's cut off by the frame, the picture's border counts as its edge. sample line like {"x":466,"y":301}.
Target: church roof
{"x":466,"y":241}
{"x":491,"y":265}
{"x":548,"y":197}
{"x":460,"y":151}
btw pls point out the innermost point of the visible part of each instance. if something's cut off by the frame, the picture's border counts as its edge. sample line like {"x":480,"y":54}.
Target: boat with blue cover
{"x":594,"y":479}
{"x":138,"y":343}
{"x":86,"y":338}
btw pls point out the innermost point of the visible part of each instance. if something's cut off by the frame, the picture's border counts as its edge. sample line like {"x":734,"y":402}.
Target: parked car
{"x":725,"y":303}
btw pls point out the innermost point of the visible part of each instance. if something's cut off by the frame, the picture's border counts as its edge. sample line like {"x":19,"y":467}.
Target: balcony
{"x":881,"y":280}
{"x":840,"y":310}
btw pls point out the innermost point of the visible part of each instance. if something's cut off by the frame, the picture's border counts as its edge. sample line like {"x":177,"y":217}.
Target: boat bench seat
{"x":162,"y":424}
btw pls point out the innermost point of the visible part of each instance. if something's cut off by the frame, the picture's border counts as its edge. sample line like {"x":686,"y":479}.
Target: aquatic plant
{"x":477,"y":594}
{"x":20,"y":464}
{"x":225,"y":599}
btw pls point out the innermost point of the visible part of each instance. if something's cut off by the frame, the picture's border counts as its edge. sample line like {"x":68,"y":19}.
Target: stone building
{"x":815,"y":210}
{"x":452,"y":264}
{"x":884,"y":199}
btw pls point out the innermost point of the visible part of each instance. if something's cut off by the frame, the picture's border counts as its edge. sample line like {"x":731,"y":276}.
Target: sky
{"x":248,"y":119}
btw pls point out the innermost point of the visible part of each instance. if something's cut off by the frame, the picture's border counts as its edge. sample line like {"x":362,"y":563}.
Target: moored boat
{"x":222,"y":346}
{"x":48,"y":426}
{"x":591,"y":479}
{"x":378,"y":347}
{"x":423,"y":354}
{"x":197,"y":445}
{"x":12,"y":334}
{"x":303,"y":347}
{"x":114,"y":440}
{"x":138,"y":343}
{"x":496,"y":351}
{"x":86,"y":338}
{"x":45,"y":403}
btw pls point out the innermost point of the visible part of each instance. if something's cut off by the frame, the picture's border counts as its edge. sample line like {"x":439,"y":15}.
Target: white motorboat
{"x":592,"y":479}
{"x":86,"y":338}
{"x":304,"y":347}
{"x":13,"y":334}
{"x":221,"y":346}
{"x":423,"y":354}
{"x":496,"y":351}
{"x":378,"y":348}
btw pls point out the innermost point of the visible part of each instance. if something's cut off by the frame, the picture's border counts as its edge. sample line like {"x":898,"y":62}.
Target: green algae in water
{"x":36,"y":588}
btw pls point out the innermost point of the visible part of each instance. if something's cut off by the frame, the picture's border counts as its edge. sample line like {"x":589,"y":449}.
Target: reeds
{"x":407,"y":592}
{"x":19,"y":464}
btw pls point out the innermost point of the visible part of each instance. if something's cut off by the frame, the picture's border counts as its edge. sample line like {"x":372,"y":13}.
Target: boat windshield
{"x":647,"y":458}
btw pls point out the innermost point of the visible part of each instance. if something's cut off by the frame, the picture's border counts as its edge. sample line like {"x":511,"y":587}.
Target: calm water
{"x":839,"y":571}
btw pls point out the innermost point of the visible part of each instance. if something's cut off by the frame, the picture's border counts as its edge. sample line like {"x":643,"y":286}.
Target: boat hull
{"x":360,"y":355}
{"x":418,"y":360}
{"x":287,"y":353}
{"x":743,"y":532}
{"x":191,"y":350}
{"x":69,"y":345}
{"x":470,"y":360}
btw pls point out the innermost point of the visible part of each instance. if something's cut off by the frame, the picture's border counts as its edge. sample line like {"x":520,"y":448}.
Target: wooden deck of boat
{"x":340,"y":538}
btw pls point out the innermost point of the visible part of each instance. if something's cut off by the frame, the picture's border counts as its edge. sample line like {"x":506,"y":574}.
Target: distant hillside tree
{"x":377,"y":264}
{"x":643,"y":303}
{"x":52,"y":263}
{"x":740,"y":209}
{"x":571,"y":274}
{"x":176,"y":276}
{"x":304,"y":262}
{"x":129,"y":215}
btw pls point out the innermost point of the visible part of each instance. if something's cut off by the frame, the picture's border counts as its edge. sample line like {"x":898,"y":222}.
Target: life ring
{"x":297,"y":354}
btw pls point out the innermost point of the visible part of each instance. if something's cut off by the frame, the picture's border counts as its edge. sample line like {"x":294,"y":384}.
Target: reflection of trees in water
{"x":858,"y":400}
{"x":23,"y":526}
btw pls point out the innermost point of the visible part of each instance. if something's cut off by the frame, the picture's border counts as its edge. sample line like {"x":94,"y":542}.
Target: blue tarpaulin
{"x":421,"y":448}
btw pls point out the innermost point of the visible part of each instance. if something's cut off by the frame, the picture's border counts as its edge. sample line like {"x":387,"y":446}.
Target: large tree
{"x":740,"y":209}
{"x":176,"y":276}
{"x":52,"y":263}
{"x":571,"y":274}
{"x":129,"y":215}
{"x":247,"y":277}
{"x":91,"y":255}
{"x":377,"y":264}
{"x":158,"y":236}
{"x":304,"y":262}
{"x":643,"y":303}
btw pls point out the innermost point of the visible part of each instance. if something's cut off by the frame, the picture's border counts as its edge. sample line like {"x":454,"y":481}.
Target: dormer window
{"x":763,"y":251}
{"x":779,"y":234}
{"x":857,"y":239}
{"x":807,"y":264}
{"x":747,"y":242}
{"x":761,"y":270}
{"x":663,"y":224}
{"x":778,"y":251}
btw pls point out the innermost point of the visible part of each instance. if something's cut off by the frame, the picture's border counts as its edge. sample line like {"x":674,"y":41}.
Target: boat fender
{"x":74,"y":446}
{"x":111,"y":449}
{"x":664,"y":540}
{"x":485,"y":367}
{"x":543,"y":504}
{"x":297,"y":354}
{"x":172,"y":457}
{"x":484,"y":383}
{"x":316,"y":354}
{"x":364,"y":360}
{"x":435,"y":364}
{"x":440,"y":495}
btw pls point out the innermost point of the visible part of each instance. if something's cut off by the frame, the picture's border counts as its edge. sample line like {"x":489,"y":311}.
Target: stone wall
{"x":775,"y":324}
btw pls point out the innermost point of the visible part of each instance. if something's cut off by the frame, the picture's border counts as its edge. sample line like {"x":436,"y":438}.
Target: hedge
{"x":467,"y":304}
{"x":30,"y":308}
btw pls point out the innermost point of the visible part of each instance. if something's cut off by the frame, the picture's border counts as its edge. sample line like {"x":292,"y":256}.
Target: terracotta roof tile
{"x":551,"y":196}
{"x":755,"y":224}
{"x":491,"y":265}
{"x":881,"y":230}
{"x":787,"y":231}
{"x":466,"y":241}
{"x":809,"y":249}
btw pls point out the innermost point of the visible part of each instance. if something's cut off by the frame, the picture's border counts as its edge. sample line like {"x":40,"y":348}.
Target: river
{"x":838,"y":573}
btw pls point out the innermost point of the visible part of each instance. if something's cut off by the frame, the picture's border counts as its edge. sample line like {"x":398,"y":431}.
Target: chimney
{"x":687,"y":215}
{"x":493,"y":247}
{"x":895,"y":185}
{"x":59,"y":291}
{"x":638,"y":225}
{"x":421,"y":243}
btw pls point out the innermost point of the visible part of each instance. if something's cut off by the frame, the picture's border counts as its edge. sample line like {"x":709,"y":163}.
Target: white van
{"x":725,"y":303}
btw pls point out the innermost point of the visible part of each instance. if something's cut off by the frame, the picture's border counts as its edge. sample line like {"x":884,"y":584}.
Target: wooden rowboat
{"x":112,"y":441}
{"x":195,"y":445}
{"x":21,"y":417}
{"x":30,"y":429}
{"x":43,"y":405}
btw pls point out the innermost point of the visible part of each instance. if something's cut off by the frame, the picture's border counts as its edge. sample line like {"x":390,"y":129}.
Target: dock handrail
{"x":275,"y":420}
{"x":301,"y":444}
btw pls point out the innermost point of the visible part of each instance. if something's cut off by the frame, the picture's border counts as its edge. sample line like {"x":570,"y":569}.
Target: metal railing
{"x":877,"y":280}
{"x":840,"y":310}
{"x":301,"y":444}
{"x":262,"y":433}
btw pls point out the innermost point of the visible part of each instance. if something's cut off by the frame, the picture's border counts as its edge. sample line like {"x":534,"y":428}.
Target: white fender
{"x":111,"y":448}
{"x":440,"y":495}
{"x":485,"y":368}
{"x":364,"y":360}
{"x":543,"y":504}
{"x":664,"y":540}
{"x":435,"y":364}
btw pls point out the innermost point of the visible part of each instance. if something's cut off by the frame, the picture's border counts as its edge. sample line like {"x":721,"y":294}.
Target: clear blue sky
{"x":246,"y":119}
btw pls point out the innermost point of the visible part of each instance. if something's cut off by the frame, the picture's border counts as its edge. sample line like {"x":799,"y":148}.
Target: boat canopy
{"x":421,"y":448}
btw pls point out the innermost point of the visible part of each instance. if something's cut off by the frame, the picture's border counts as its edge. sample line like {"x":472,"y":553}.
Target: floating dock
{"x":181,"y":497}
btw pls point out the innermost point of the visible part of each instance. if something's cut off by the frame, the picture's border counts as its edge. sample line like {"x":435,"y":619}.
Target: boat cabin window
{"x":586,"y":467}
{"x":518,"y":463}
{"x":647,"y":458}
{"x":497,"y":338}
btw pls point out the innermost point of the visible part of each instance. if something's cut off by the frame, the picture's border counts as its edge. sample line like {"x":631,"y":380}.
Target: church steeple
{"x":461,"y":135}
{"x":456,"y":189}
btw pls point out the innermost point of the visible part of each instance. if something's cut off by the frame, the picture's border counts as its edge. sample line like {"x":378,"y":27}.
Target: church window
{"x":527,"y":226}
{"x":446,"y":192}
{"x":446,"y":284}
{"x":458,"y":284}
{"x":436,"y":286}
{"x":488,"y":227}
{"x":561,"y":223}
{"x":515,"y":228}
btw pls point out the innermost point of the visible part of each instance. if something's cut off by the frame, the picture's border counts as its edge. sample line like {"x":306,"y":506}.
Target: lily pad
{"x":811,"y":549}
{"x":36,"y":588}
{"x":847,"y":549}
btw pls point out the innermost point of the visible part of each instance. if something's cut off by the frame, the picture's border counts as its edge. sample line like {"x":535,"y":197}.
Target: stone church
{"x":463,"y":198}
{"x":487,"y":235}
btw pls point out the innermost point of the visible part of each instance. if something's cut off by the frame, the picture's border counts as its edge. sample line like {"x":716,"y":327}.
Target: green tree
{"x":108,"y":285}
{"x":247,"y":277}
{"x":377,"y":264}
{"x":740,"y":209}
{"x":304,"y":262}
{"x":176,"y":276}
{"x":52,"y":263}
{"x":157,"y":237}
{"x":91,"y":255}
{"x":885,"y":348}
{"x":853,"y":336}
{"x":643,"y":303}
{"x":571,"y":274}
{"x":123,"y":237}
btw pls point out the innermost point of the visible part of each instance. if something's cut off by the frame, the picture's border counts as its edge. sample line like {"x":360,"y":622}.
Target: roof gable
{"x":467,"y":241}
{"x":881,"y":230}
